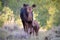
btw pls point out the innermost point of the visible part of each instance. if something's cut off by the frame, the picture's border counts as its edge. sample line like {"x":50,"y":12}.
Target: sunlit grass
{"x":52,"y":10}
{"x":19,"y":22}
{"x":50,"y":21}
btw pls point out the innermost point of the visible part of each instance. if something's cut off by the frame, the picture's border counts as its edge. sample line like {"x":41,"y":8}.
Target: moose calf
{"x":35,"y":27}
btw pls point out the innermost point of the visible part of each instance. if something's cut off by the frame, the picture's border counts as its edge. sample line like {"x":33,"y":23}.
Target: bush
{"x":1,"y":22}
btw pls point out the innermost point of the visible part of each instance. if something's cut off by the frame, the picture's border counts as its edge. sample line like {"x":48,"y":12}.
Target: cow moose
{"x":27,"y":16}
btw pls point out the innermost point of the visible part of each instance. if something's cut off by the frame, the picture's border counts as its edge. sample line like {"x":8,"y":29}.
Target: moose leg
{"x":36,"y":30}
{"x":31,"y":29}
{"x":33,"y":32}
{"x":23,"y":25}
{"x":26,"y":27}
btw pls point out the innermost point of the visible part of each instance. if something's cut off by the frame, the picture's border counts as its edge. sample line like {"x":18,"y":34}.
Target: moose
{"x":36,"y":27}
{"x":27,"y":18}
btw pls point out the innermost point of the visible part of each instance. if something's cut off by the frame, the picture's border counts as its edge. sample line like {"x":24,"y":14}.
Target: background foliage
{"x":47,"y":12}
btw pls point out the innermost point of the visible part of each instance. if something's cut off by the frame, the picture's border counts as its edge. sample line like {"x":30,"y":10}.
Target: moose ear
{"x":33,"y":5}
{"x":25,"y":5}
